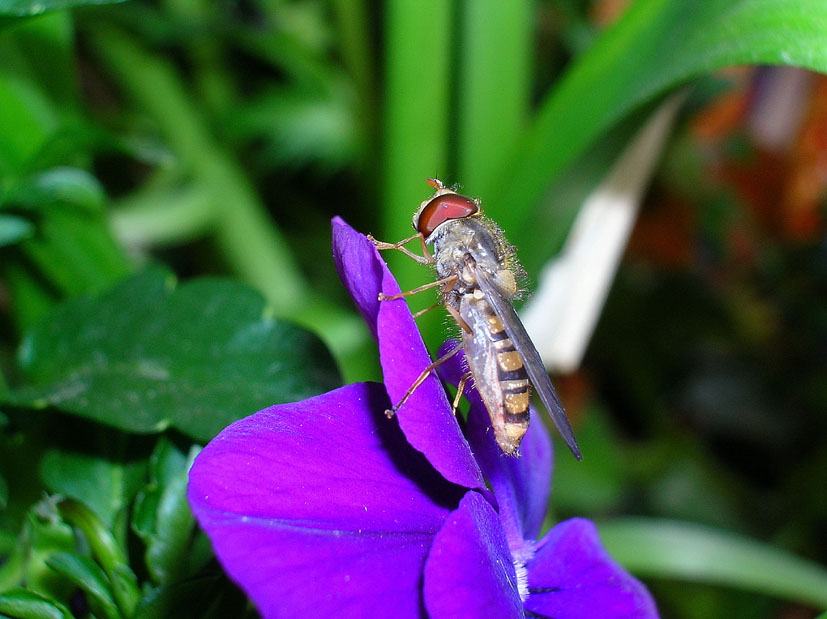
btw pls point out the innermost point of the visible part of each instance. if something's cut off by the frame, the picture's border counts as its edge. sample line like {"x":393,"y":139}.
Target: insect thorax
{"x":474,"y":240}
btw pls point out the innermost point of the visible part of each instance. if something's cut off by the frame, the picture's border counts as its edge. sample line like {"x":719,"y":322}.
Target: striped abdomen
{"x":499,"y":373}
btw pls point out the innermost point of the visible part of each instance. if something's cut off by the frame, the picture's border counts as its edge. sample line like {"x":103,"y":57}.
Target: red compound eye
{"x":441,"y":209}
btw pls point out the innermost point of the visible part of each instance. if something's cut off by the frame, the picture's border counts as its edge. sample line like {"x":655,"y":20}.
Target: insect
{"x":475,"y":267}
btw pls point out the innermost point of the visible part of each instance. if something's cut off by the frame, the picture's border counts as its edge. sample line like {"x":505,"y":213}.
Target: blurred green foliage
{"x":220,"y":138}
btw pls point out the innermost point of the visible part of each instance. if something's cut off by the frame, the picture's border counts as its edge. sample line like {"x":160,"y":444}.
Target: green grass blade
{"x":416,"y":114}
{"x":492,"y":100}
{"x":681,"y":550}
{"x":28,"y":8}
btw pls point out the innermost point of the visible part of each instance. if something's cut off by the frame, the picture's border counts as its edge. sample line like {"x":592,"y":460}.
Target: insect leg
{"x":421,"y":379}
{"x":426,"y":259}
{"x":425,"y":251}
{"x":455,"y":313}
{"x":450,"y":279}
{"x":427,"y":309}
{"x":460,"y":391}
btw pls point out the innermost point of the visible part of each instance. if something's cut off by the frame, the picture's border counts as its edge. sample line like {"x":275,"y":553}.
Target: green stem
{"x":354,"y":38}
{"x":106,"y":550}
{"x":161,"y":216}
{"x":416,"y":115}
{"x":495,"y":87}
{"x":242,"y":229}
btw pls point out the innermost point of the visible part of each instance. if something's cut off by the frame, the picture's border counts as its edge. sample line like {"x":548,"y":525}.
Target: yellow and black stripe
{"x":511,"y":373}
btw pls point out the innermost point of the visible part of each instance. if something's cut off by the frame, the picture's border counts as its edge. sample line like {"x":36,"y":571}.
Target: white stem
{"x":572,"y":289}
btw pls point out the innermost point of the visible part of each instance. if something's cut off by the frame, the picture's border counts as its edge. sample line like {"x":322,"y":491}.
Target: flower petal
{"x":573,"y":577}
{"x":469,"y":571}
{"x":521,"y":485}
{"x":426,"y":417}
{"x":321,"y":505}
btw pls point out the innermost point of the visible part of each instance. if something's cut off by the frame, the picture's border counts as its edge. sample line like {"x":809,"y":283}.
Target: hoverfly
{"x":476,"y":273}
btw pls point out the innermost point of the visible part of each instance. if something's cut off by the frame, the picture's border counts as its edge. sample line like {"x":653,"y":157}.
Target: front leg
{"x":425,"y":258}
{"x":390,"y":297}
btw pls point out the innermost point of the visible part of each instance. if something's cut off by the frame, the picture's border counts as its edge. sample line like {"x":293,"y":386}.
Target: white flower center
{"x":521,"y":555}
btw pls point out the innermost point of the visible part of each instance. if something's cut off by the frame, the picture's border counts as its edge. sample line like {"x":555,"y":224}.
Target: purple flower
{"x":327,"y":508}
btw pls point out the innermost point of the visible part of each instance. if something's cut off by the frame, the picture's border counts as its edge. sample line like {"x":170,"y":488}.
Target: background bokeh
{"x":219,"y":138}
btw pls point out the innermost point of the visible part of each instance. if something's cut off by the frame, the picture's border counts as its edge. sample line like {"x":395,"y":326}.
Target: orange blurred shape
{"x":805,"y":190}
{"x":663,"y":233}
{"x":575,"y":391}
{"x":726,"y":114}
{"x":605,"y":12}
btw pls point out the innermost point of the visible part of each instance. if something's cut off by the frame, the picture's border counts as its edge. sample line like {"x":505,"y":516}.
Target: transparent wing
{"x":531,"y":358}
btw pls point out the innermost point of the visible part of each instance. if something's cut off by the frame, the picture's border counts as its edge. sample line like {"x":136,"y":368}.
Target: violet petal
{"x":321,"y":505}
{"x":469,"y":571}
{"x":573,"y":577}
{"x":426,"y":417}
{"x":521,"y":484}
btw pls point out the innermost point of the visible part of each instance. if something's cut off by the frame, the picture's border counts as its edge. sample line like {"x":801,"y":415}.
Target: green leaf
{"x":89,"y":576}
{"x":101,"y":479}
{"x":51,"y":36}
{"x":23,"y":604}
{"x":124,"y":583}
{"x":27,"y":120}
{"x":13,"y":229}
{"x":58,"y":187}
{"x":671,"y":549}
{"x":146,"y":356}
{"x":27,"y":8}
{"x":44,"y":534}
{"x":33,"y":297}
{"x":4,"y":493}
{"x":656,"y":46}
{"x":162,"y":515}
{"x":205,"y":597}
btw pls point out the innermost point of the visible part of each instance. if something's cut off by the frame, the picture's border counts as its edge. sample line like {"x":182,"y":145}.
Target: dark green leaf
{"x":146,"y":356}
{"x":89,"y":576}
{"x":23,"y":604}
{"x":206,"y":597}
{"x":4,"y":493}
{"x":25,"y":8}
{"x":13,"y":229}
{"x":105,"y":484}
